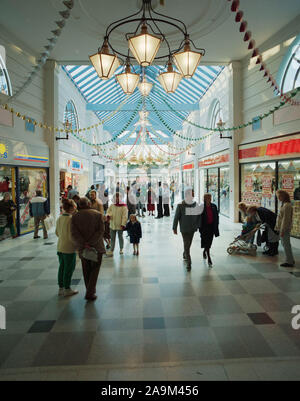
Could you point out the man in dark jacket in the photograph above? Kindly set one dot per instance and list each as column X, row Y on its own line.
column 188, row 215
column 39, row 210
column 87, row 230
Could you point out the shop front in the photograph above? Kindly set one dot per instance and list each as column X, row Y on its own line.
column 214, row 179
column 268, row 166
column 73, row 171
column 98, row 173
column 23, row 171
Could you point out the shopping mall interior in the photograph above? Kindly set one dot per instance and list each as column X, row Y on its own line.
column 156, row 101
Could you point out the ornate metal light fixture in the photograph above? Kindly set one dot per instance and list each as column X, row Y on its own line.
column 145, row 46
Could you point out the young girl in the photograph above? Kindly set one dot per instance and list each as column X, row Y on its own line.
column 66, row 250
column 135, row 232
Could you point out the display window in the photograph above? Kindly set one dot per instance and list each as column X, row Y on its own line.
column 30, row 180
column 7, row 185
column 212, row 184
column 258, row 184
column 289, row 180
column 224, row 191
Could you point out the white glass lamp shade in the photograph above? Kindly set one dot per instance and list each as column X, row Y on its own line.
column 170, row 79
column 128, row 81
column 144, row 47
column 187, row 61
column 104, row 63
column 145, row 87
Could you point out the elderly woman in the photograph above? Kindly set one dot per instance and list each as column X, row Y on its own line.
column 87, row 229
column 243, row 209
column 7, row 208
column 284, row 226
column 267, row 217
column 209, row 226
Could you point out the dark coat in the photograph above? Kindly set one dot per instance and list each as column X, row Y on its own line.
column 134, row 231
column 87, row 228
column 5, row 208
column 215, row 219
column 267, row 216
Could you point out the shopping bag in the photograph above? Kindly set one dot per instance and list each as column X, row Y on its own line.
column 49, row 222
column 31, row 223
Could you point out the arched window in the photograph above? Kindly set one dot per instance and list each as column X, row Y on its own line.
column 216, row 114
column 5, row 86
column 289, row 71
column 70, row 116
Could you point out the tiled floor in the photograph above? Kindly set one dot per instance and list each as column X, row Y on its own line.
column 152, row 317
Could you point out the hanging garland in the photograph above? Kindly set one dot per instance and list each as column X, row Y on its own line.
column 48, row 48
column 239, row 18
column 123, row 157
column 260, row 117
column 162, row 150
column 75, row 132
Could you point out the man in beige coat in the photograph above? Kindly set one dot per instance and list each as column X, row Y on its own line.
column 117, row 215
column 87, row 230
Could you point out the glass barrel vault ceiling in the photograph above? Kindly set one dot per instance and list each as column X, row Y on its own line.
column 97, row 91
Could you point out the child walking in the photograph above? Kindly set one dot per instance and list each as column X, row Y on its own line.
column 134, row 230
column 66, row 250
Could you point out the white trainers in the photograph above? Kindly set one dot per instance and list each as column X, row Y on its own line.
column 121, row 252
column 61, row 292
column 69, row 292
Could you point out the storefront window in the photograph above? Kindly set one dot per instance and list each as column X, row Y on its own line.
column 224, row 191
column 213, row 184
column 5, row 86
column 289, row 180
column 258, row 184
column 7, row 184
column 30, row 180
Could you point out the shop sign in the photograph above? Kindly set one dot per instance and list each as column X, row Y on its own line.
column 189, row 166
column 272, row 149
column 3, row 151
column 223, row 158
column 74, row 165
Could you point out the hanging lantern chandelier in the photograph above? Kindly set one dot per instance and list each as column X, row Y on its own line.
column 128, row 80
column 145, row 86
column 145, row 48
column 170, row 79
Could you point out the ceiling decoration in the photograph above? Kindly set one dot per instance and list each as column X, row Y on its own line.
column 97, row 92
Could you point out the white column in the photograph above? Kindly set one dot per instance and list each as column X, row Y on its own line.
column 236, row 115
column 51, row 117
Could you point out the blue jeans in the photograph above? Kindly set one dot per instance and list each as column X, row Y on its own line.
column 113, row 239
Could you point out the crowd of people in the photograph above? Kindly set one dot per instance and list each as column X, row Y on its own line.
column 90, row 225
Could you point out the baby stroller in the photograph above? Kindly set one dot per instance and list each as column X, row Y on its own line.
column 243, row 242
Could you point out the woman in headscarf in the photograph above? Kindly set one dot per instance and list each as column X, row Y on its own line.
column 209, row 226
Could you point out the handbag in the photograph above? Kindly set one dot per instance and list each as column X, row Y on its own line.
column 90, row 253
column 49, row 222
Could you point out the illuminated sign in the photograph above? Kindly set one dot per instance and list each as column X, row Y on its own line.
column 3, row 151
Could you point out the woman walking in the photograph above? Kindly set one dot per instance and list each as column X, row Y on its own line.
column 87, row 230
column 7, row 208
column 117, row 215
column 284, row 226
column 209, row 226
column 66, row 250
